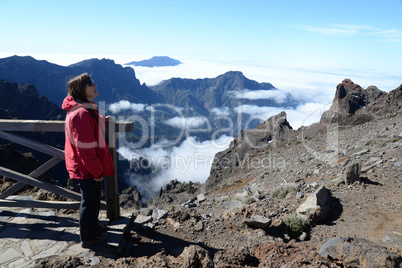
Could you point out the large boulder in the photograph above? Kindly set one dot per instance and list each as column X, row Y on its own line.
column 358, row 252
column 316, row 206
column 352, row 173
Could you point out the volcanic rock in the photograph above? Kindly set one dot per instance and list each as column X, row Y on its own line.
column 351, row 99
column 274, row 130
column 358, row 252
column 352, row 173
column 316, row 206
column 258, row 221
column 131, row 198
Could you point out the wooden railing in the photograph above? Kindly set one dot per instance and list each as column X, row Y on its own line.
column 112, row 205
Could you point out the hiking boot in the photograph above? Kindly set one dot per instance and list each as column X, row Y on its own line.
column 97, row 240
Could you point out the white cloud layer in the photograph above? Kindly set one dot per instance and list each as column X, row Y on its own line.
column 186, row 122
column 278, row 95
column 189, row 161
column 306, row 83
column 225, row 111
column 353, row 30
column 303, row 115
column 126, row 105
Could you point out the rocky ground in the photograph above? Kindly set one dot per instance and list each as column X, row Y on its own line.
column 367, row 213
column 324, row 196
column 240, row 223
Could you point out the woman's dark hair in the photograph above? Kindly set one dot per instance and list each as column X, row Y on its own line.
column 77, row 85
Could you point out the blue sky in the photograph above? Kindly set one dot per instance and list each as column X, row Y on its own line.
column 305, row 47
column 302, row 47
column 354, row 34
column 361, row 40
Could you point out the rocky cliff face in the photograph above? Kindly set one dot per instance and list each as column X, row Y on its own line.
column 351, row 99
column 273, row 131
column 23, row 101
column 351, row 105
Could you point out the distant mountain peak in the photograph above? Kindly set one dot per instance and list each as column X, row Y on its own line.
column 156, row 61
column 89, row 62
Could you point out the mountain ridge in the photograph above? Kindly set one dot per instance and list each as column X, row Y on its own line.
column 215, row 92
column 197, row 97
column 114, row 81
column 156, row 61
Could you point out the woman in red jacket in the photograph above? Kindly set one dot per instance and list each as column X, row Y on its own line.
column 87, row 154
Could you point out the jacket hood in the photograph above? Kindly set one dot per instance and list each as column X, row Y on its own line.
column 69, row 103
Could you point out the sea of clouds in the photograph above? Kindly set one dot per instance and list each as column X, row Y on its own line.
column 191, row 159
column 313, row 86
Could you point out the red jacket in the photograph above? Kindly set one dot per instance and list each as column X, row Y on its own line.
column 86, row 152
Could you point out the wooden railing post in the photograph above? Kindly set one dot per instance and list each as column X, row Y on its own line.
column 111, row 186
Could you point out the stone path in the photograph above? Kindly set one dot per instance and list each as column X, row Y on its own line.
column 30, row 234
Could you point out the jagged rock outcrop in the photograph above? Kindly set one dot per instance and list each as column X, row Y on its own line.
column 274, row 130
column 394, row 102
column 130, row 198
column 23, row 101
column 353, row 105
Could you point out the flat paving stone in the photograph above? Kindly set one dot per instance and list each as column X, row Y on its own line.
column 9, row 255
column 26, row 248
column 43, row 244
column 27, row 235
column 18, row 263
column 54, row 250
column 78, row 248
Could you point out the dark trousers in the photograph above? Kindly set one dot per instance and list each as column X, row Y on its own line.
column 89, row 208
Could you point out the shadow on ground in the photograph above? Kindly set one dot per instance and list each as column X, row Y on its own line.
column 23, row 225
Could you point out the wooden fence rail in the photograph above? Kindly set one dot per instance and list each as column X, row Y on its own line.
column 112, row 205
